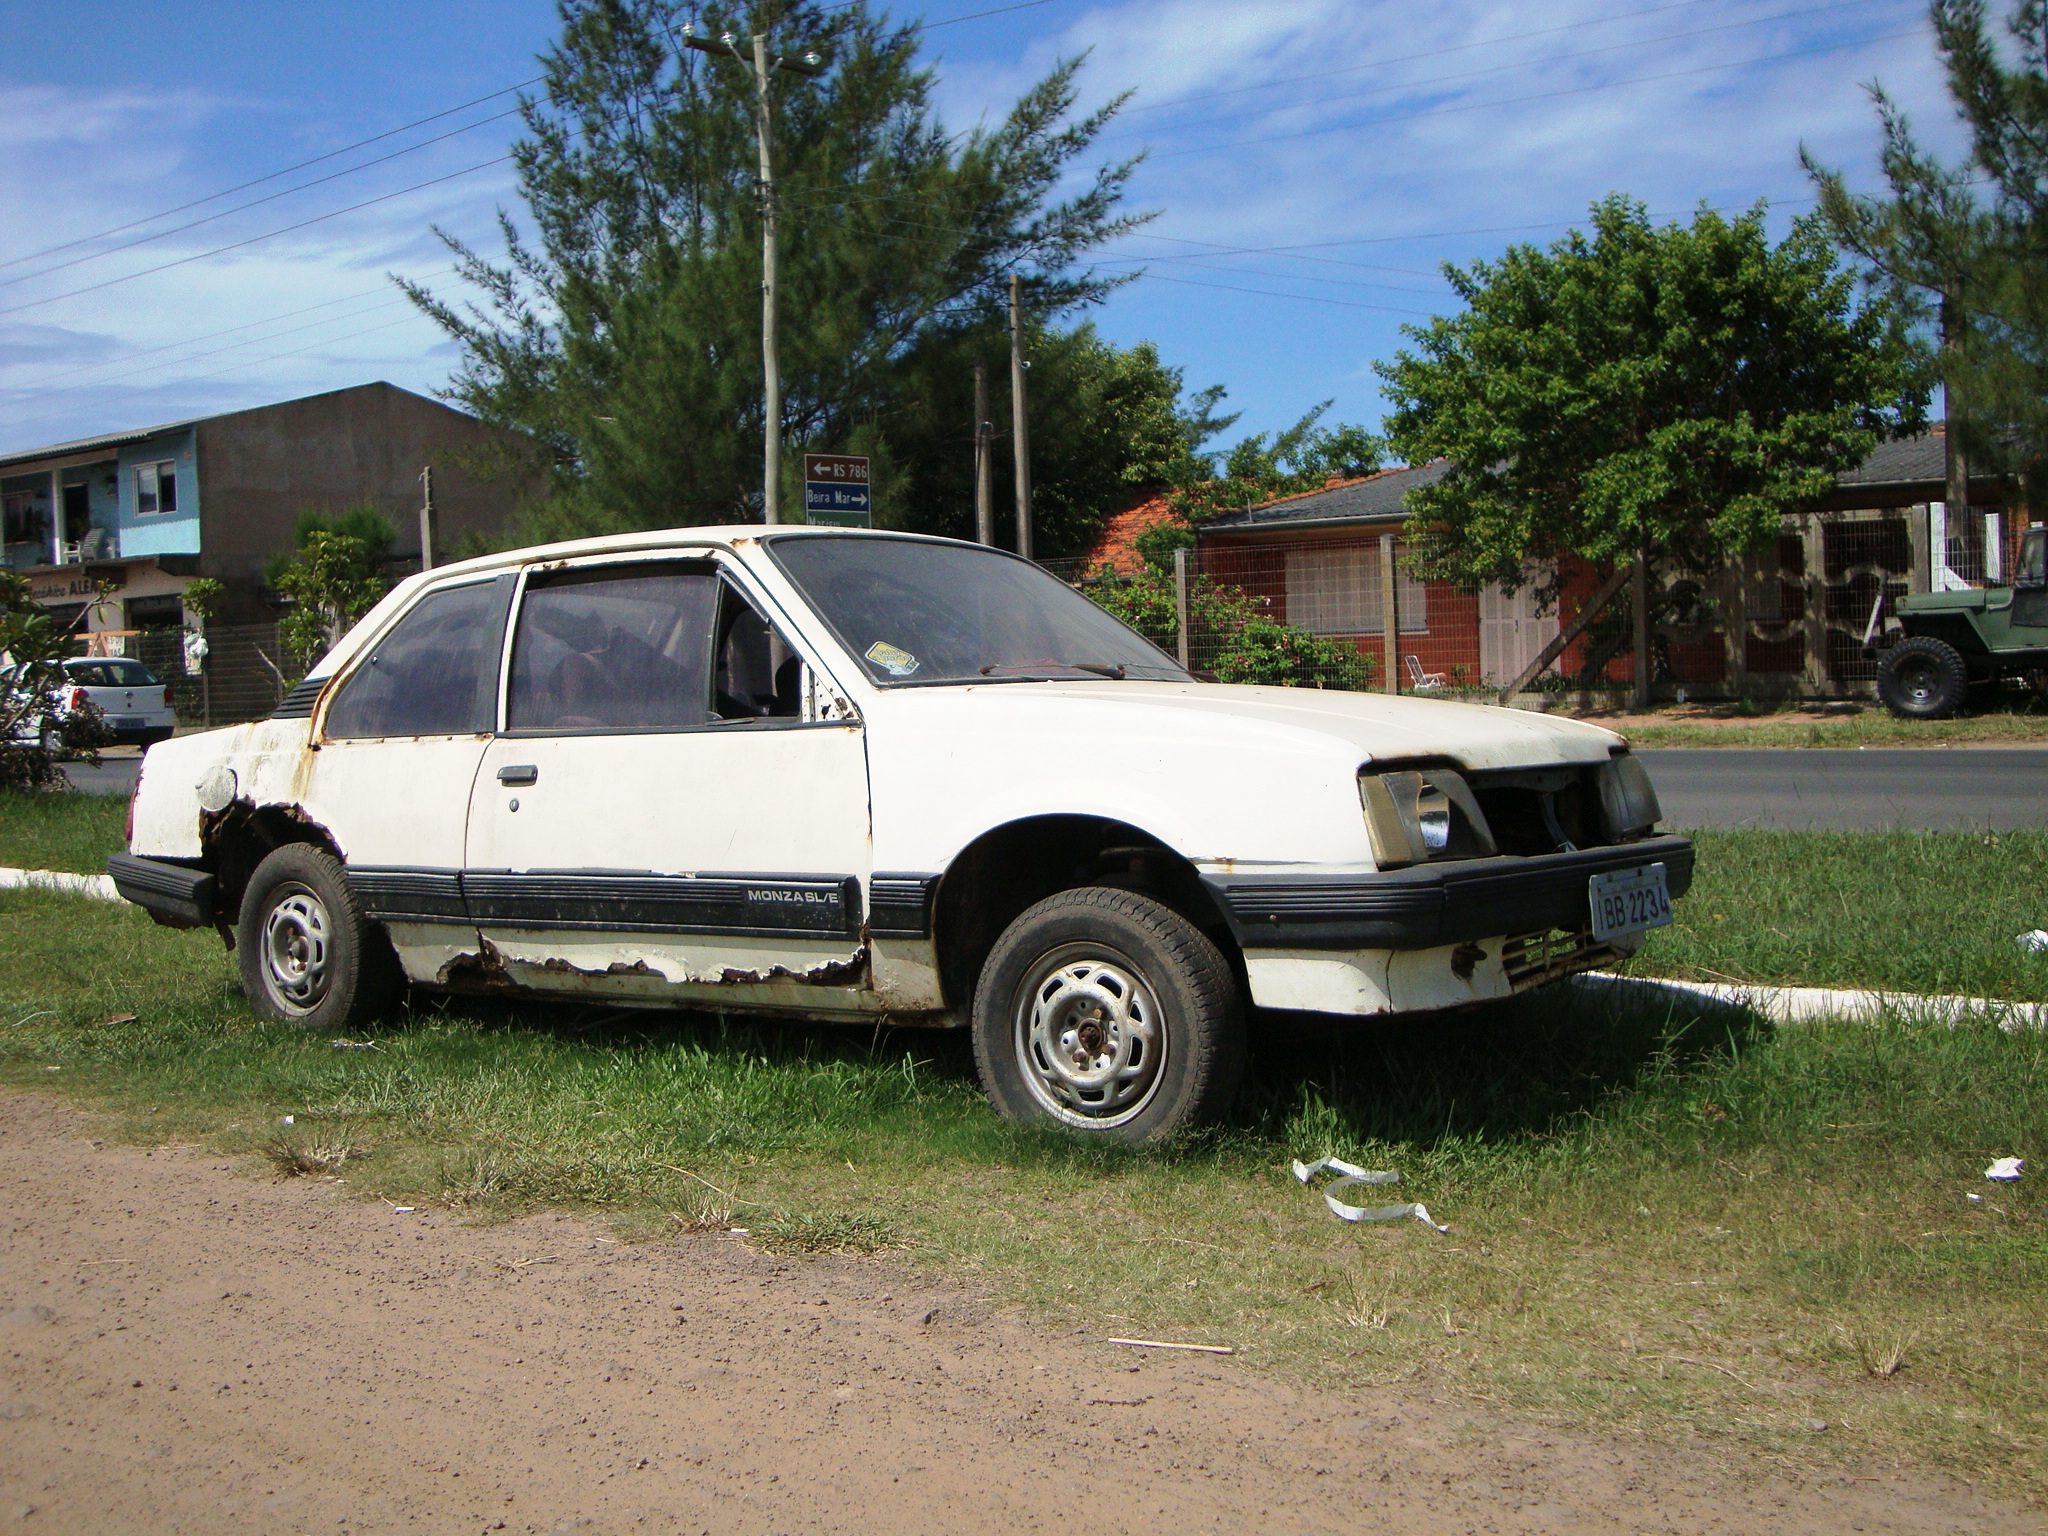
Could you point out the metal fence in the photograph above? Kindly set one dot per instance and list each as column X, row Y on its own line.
column 1798, row 619
column 1348, row 612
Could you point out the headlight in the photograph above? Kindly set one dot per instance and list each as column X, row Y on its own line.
column 1421, row 814
column 1627, row 797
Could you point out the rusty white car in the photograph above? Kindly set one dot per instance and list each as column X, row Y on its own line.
column 839, row 774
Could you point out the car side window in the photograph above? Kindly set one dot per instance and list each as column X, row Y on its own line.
column 433, row 673
column 755, row 673
column 617, row 648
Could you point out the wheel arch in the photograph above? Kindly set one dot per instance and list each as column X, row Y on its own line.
column 235, row 840
column 1011, row 867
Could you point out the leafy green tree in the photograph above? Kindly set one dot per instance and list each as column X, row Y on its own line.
column 333, row 577
column 623, row 335
column 1670, row 392
column 1303, row 457
column 1964, row 248
column 1110, row 425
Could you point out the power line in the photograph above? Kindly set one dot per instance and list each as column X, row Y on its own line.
column 1379, row 63
column 1308, row 298
column 199, row 202
column 256, row 239
column 254, row 202
column 1353, row 125
column 124, row 358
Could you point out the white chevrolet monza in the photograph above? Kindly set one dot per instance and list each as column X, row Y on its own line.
column 836, row 774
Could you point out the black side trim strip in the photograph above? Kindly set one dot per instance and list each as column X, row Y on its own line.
column 409, row 895
column 1433, row 904
column 176, row 895
column 767, row 906
column 900, row 906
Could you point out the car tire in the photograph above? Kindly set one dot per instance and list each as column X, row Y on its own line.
column 1922, row 678
column 1107, row 1013
column 308, row 957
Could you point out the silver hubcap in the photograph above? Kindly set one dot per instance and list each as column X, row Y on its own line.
column 1091, row 1037
column 295, row 948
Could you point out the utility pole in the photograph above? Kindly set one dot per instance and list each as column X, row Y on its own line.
column 427, row 518
column 984, row 469
column 811, row 66
column 1020, row 430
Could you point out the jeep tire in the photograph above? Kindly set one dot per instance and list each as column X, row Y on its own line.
column 1922, row 678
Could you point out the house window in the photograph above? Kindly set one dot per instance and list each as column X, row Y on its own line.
column 24, row 519
column 1336, row 591
column 156, row 488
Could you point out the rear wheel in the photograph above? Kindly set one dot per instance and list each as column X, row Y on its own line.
column 1109, row 1013
column 307, row 955
column 1922, row 678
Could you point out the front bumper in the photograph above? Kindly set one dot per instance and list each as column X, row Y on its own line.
column 176, row 895
column 1431, row 905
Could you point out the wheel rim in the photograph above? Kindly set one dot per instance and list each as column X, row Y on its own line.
column 1920, row 680
column 295, row 948
column 1090, row 1036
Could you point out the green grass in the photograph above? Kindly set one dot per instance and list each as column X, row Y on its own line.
column 1936, row 912
column 62, row 830
column 2016, row 722
column 1668, row 1220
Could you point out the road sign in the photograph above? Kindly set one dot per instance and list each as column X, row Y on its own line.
column 836, row 490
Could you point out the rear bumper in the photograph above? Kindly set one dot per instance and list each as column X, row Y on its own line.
column 176, row 895
column 1431, row 905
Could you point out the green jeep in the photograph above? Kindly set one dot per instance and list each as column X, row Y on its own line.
column 1955, row 641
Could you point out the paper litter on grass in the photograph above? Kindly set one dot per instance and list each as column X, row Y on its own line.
column 2006, row 1169
column 1350, row 1174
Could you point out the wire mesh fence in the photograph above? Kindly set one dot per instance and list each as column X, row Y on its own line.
column 1349, row 610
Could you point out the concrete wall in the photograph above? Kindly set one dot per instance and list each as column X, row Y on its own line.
column 263, row 468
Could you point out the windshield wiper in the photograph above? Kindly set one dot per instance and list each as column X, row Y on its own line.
column 1031, row 670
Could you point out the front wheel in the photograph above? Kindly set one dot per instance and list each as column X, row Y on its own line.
column 307, row 955
column 1922, row 678
column 1109, row 1013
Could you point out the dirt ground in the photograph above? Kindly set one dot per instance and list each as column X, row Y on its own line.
column 190, row 1346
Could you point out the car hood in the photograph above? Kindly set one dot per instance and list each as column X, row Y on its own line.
column 1308, row 721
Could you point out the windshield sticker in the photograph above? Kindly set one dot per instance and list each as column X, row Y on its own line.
column 892, row 659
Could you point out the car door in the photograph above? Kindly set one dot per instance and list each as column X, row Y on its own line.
column 662, row 814
column 395, row 747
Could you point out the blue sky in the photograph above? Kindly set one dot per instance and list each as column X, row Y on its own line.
column 1311, row 164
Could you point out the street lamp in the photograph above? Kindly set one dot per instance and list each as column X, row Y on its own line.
column 810, row 65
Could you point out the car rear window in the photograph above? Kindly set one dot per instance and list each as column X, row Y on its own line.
column 112, row 672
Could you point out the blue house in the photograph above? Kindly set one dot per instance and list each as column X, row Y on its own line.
column 143, row 512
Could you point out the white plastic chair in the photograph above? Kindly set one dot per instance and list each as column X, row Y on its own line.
column 1421, row 681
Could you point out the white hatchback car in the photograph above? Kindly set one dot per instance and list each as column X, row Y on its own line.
column 838, row 774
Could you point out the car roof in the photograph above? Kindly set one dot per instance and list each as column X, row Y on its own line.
column 722, row 535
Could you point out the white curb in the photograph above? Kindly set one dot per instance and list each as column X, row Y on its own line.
column 99, row 887
column 1799, row 1005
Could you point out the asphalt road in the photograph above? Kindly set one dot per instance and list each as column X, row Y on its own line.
column 1869, row 789
column 1922, row 789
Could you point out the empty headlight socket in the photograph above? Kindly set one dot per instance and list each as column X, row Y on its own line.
column 1415, row 812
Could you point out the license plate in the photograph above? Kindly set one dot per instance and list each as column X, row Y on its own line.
column 1629, row 901
column 125, row 722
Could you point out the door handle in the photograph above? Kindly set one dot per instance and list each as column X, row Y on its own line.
column 519, row 773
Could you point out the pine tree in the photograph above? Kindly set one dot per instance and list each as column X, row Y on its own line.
column 622, row 333
column 1965, row 247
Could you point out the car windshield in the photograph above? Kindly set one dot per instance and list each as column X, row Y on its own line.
column 921, row 612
